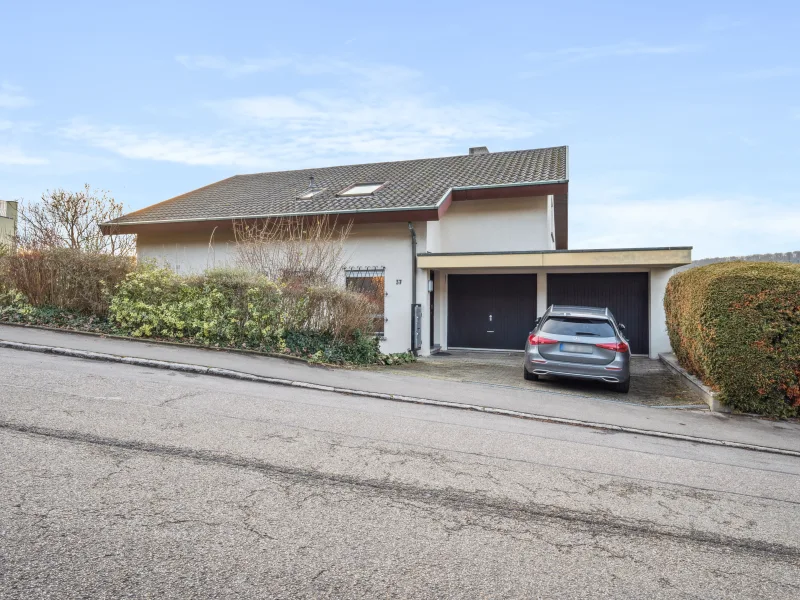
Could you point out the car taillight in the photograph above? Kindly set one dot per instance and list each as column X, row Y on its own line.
column 537, row 340
column 616, row 346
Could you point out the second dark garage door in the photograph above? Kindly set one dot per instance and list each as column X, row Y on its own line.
column 625, row 294
column 490, row 311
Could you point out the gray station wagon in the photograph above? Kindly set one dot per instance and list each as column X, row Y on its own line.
column 579, row 342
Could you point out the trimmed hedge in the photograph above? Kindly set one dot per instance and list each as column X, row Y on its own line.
column 237, row 309
column 222, row 308
column 736, row 326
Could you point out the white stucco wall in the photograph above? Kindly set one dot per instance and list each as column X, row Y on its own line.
column 495, row 225
column 386, row 245
column 469, row 226
column 186, row 253
column 659, row 340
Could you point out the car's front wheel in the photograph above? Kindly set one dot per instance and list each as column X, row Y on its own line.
column 529, row 376
column 622, row 386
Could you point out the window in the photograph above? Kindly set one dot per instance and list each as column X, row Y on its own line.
column 310, row 194
column 361, row 189
column 578, row 327
column 370, row 282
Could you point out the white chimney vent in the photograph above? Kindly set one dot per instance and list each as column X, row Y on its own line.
column 478, row 150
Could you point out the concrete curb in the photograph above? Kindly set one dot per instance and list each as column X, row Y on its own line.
column 231, row 374
column 709, row 396
column 159, row 342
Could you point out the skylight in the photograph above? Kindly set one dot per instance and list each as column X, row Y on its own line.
column 307, row 195
column 361, row 189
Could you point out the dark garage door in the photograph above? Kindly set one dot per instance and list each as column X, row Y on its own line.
column 490, row 311
column 625, row 295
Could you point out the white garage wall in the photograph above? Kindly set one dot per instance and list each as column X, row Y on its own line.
column 511, row 224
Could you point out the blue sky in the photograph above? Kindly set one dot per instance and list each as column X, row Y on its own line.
column 683, row 119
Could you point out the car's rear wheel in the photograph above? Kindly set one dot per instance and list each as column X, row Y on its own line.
column 622, row 386
column 528, row 375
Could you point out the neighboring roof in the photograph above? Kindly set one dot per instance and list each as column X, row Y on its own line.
column 410, row 184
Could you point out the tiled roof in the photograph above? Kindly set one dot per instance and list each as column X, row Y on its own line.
column 414, row 184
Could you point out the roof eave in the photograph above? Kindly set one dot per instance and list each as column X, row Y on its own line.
column 116, row 226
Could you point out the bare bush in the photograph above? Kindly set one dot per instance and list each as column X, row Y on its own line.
column 65, row 278
column 302, row 250
column 337, row 312
column 64, row 219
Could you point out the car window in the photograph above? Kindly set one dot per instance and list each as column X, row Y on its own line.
column 577, row 326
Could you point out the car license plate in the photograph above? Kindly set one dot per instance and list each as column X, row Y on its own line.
column 576, row 348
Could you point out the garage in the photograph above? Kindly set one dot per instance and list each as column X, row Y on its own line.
column 490, row 311
column 625, row 294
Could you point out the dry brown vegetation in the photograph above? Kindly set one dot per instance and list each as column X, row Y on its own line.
column 306, row 250
column 65, row 278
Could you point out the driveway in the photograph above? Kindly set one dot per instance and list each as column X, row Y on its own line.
column 652, row 383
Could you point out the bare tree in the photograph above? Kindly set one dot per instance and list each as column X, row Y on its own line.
column 303, row 249
column 64, row 219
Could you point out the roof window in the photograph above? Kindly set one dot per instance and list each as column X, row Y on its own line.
column 307, row 195
column 361, row 189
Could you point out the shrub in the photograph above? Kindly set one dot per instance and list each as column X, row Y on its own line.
column 66, row 279
column 736, row 325
column 240, row 309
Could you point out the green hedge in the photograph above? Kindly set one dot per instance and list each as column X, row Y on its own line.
column 221, row 308
column 736, row 325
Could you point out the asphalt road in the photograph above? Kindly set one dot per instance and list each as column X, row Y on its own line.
column 119, row 481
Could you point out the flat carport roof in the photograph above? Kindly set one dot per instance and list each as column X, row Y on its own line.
column 669, row 257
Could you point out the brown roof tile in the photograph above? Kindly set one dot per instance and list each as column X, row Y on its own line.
column 416, row 184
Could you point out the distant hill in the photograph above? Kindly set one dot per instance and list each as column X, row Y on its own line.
column 788, row 257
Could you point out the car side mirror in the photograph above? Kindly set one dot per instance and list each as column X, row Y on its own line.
column 622, row 327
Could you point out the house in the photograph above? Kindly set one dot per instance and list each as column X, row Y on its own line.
column 8, row 222
column 478, row 242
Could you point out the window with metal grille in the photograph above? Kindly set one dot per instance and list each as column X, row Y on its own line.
column 371, row 282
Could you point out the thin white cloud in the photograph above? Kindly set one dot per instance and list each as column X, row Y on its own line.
column 329, row 115
column 12, row 97
column 17, row 127
column 307, row 66
column 197, row 151
column 769, row 73
column 365, row 113
column 230, row 67
column 713, row 225
column 270, row 132
column 14, row 156
column 717, row 23
column 585, row 53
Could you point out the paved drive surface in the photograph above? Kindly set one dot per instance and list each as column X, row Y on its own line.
column 542, row 400
column 119, row 481
column 652, row 382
